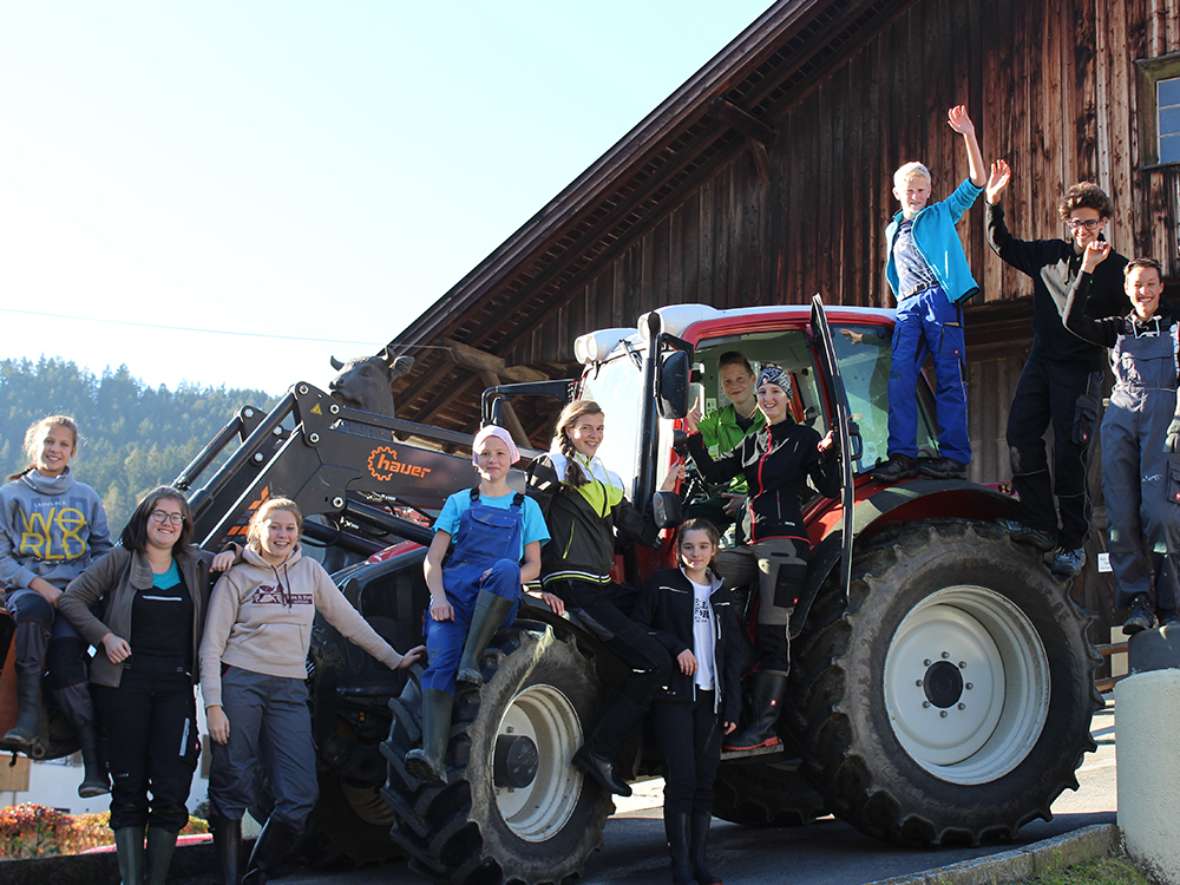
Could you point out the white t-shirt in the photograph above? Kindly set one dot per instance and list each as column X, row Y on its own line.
column 702, row 637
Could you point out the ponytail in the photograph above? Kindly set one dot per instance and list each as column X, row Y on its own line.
column 35, row 434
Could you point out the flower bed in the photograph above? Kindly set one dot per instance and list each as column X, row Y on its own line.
column 30, row 830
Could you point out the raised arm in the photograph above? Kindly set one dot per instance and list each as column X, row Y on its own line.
column 1026, row 256
column 1075, row 316
column 960, row 121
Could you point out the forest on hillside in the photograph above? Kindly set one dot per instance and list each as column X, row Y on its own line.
column 134, row 437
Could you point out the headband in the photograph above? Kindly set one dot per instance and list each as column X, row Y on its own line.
column 772, row 374
column 499, row 433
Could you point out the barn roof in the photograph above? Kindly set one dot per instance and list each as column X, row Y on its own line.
column 728, row 103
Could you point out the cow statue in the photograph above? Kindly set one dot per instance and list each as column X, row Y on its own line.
column 367, row 382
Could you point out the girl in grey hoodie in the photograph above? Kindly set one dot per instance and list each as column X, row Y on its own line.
column 51, row 528
column 254, row 682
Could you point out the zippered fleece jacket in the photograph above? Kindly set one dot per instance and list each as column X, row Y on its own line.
column 260, row 619
column 51, row 527
column 938, row 241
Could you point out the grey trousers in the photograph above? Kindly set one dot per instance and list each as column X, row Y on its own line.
column 761, row 561
column 269, row 726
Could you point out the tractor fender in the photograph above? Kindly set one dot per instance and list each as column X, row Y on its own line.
column 878, row 507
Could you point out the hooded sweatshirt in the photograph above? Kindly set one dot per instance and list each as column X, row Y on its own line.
column 51, row 527
column 260, row 619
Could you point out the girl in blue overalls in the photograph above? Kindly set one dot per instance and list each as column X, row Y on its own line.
column 1140, row 437
column 475, row 588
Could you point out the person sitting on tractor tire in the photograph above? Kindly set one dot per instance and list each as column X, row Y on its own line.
column 1140, row 436
column 723, row 429
column 155, row 590
column 777, row 462
column 258, row 631
column 585, row 506
column 51, row 528
column 697, row 619
column 475, row 586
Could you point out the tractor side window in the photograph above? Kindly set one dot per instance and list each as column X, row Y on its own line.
column 864, row 354
column 617, row 386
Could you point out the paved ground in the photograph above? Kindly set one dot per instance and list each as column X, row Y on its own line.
column 827, row 853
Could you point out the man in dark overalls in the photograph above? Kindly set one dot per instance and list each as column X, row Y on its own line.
column 1140, row 438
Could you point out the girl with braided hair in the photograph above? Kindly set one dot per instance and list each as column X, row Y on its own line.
column 777, row 462
column 586, row 509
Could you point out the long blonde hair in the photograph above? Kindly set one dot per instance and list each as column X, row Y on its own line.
column 574, row 475
column 262, row 514
column 35, row 435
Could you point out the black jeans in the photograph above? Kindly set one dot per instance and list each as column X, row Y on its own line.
column 689, row 734
column 1047, row 393
column 149, row 726
column 605, row 610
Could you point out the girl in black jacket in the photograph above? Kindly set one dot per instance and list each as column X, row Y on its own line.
column 777, row 462
column 696, row 619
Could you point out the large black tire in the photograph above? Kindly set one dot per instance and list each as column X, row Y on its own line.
column 757, row 794
column 854, row 722
column 459, row 832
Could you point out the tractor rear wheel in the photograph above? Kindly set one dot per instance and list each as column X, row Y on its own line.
column 949, row 697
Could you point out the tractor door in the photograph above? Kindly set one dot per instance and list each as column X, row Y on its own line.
column 829, row 368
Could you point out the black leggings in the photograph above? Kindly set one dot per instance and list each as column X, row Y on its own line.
column 605, row 610
column 689, row 734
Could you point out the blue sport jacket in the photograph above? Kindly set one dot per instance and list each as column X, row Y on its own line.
column 936, row 239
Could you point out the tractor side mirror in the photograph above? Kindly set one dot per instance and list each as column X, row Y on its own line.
column 666, row 510
column 672, row 385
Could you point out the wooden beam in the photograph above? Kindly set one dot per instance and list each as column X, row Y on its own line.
column 482, row 361
column 742, row 120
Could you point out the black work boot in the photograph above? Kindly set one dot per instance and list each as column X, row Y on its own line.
column 161, row 844
column 31, row 644
column 429, row 763
column 1140, row 616
column 770, row 687
column 75, row 702
column 227, row 840
column 1023, row 533
column 942, row 468
column 698, row 853
column 602, row 770
column 275, row 842
column 490, row 612
column 676, row 828
column 898, row 467
column 129, row 847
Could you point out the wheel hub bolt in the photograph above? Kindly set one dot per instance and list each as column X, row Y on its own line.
column 925, row 704
column 942, row 714
column 962, row 665
column 945, row 655
column 970, row 685
column 926, row 663
column 918, row 682
column 962, row 706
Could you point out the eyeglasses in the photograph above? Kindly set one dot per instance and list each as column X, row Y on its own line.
column 1088, row 223
column 163, row 516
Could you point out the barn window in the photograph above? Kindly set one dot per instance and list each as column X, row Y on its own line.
column 1159, row 110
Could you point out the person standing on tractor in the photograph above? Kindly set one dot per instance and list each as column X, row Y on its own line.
column 254, row 683
column 475, row 586
column 1140, row 436
column 1060, row 367
column 698, row 622
column 51, row 528
column 154, row 589
column 928, row 273
column 776, row 462
column 585, row 506
column 724, row 428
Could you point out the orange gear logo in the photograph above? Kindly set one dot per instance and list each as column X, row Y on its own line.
column 384, row 465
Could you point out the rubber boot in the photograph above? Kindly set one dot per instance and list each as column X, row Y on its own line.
column 31, row 643
column 429, row 762
column 676, row 828
column 129, row 847
column 161, row 844
column 75, row 702
column 770, row 687
column 227, row 840
column 490, row 612
column 699, row 850
column 274, row 843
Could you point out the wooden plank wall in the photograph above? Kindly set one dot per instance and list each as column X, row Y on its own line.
column 1051, row 85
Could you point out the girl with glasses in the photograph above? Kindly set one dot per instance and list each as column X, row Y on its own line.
column 153, row 592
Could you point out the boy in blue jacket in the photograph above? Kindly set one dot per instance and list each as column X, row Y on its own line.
column 928, row 273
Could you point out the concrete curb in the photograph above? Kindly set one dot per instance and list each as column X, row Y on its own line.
column 1046, row 856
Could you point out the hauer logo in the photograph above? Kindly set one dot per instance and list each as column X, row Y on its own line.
column 384, row 465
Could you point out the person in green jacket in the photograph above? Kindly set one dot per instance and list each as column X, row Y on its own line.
column 722, row 430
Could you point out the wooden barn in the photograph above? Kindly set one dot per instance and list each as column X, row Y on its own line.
column 767, row 176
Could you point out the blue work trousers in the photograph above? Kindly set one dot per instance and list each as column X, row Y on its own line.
column 927, row 324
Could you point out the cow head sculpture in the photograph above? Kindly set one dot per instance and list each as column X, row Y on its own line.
column 367, row 382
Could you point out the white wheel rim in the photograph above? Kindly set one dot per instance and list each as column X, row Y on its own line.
column 538, row 811
column 967, row 684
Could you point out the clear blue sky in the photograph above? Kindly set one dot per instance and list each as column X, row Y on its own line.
column 314, row 169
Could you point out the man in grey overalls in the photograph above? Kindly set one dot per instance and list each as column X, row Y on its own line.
column 1140, row 438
